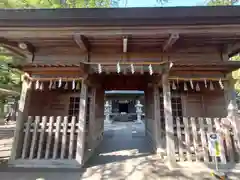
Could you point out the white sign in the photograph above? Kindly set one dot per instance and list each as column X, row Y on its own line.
column 214, row 144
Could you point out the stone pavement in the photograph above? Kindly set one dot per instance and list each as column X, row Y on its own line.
column 6, row 138
column 125, row 154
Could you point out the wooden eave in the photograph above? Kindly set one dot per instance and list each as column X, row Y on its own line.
column 59, row 31
column 119, row 16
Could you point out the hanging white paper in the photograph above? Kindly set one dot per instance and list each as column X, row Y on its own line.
column 37, row 85
column 99, row 68
column 50, row 85
column 185, row 86
column 118, row 68
column 197, row 87
column 150, row 69
column 41, row 86
column 59, row 83
column 174, row 86
column 211, row 86
column 191, row 84
column 205, row 83
column 66, row 85
column 132, row 69
column 54, row 85
column 221, row 84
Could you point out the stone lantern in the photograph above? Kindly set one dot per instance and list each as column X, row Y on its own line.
column 139, row 110
column 107, row 111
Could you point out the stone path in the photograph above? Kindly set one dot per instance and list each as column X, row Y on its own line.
column 125, row 154
column 6, row 138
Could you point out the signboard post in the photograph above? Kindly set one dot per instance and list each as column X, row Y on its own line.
column 215, row 150
column 214, row 146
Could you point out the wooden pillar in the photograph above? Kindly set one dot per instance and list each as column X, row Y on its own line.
column 82, row 124
column 21, row 119
column 170, row 147
column 92, row 122
column 157, row 119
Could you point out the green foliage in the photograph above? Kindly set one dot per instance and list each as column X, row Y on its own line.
column 222, row 2
column 9, row 78
column 58, row 3
column 236, row 74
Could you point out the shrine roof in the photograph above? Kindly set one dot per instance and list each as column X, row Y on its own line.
column 120, row 16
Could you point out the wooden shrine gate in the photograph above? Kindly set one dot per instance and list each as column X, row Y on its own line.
column 182, row 61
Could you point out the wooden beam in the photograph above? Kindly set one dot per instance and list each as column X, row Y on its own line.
column 125, row 43
column 52, row 32
column 13, row 47
column 171, row 40
column 82, row 42
column 233, row 49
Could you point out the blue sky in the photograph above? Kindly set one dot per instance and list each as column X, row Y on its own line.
column 153, row 3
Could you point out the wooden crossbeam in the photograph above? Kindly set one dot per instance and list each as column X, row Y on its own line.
column 82, row 42
column 171, row 40
column 196, row 78
column 13, row 47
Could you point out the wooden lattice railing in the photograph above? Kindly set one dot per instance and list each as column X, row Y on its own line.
column 50, row 138
column 191, row 143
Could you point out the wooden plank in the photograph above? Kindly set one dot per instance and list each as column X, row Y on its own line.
column 43, row 129
column 195, row 137
column 72, row 133
column 229, row 150
column 168, row 121
column 34, row 137
column 180, row 142
column 49, row 137
column 26, row 137
column 42, row 132
column 210, row 129
column 21, row 118
column 203, row 140
column 187, row 138
column 56, row 139
column 82, row 124
column 219, row 131
column 64, row 137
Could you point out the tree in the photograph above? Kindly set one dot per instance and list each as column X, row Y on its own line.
column 222, row 2
column 236, row 74
column 10, row 78
column 58, row 3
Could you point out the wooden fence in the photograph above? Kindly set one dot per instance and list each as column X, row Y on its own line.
column 191, row 143
column 50, row 138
